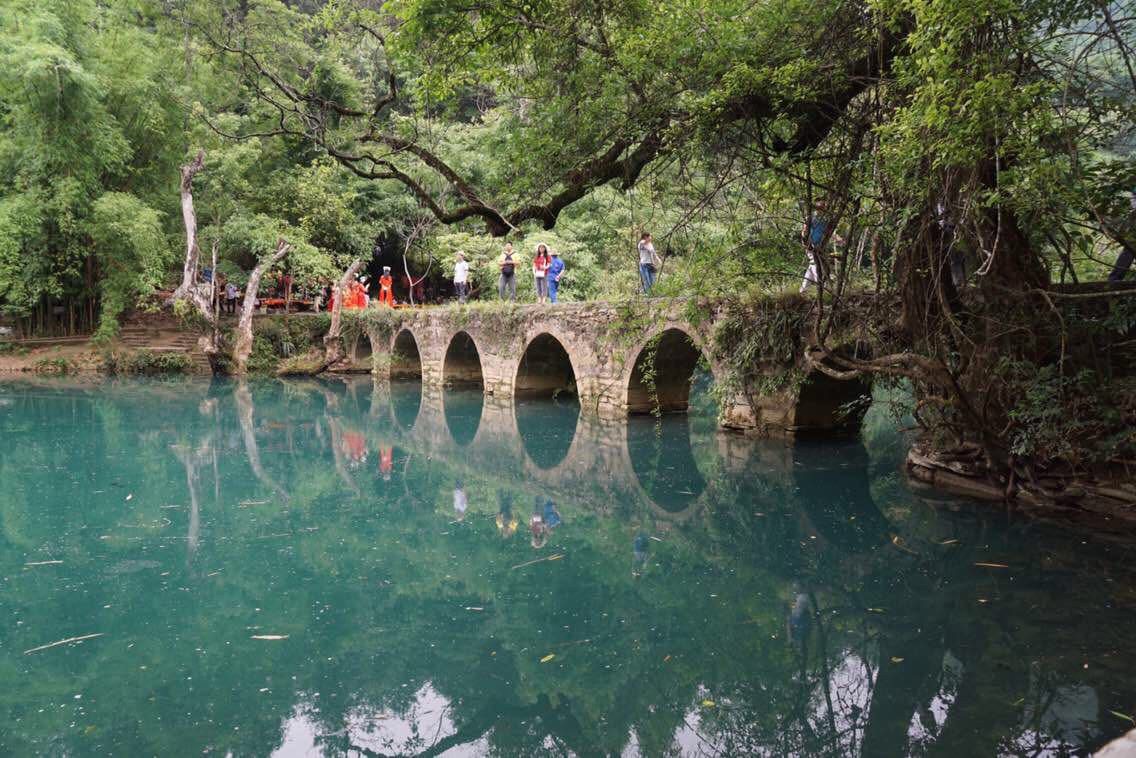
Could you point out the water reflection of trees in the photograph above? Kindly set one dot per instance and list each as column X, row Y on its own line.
column 898, row 657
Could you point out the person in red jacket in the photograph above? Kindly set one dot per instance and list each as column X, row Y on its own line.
column 386, row 288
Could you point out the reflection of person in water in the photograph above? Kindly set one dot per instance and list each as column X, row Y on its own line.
column 355, row 447
column 460, row 501
column 537, row 526
column 800, row 618
column 386, row 461
column 506, row 520
column 551, row 516
column 639, row 554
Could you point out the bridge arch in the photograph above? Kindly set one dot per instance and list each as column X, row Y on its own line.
column 826, row 403
column 663, row 370
column 462, row 364
column 545, row 369
column 405, row 357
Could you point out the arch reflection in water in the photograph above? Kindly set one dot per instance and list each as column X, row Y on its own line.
column 406, row 361
column 406, row 401
column 834, row 488
column 663, row 461
column 462, row 408
column 547, row 429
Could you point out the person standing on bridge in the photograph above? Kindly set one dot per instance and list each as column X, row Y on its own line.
column 541, row 264
column 507, row 282
column 815, row 236
column 386, row 288
column 461, row 278
column 648, row 263
column 555, row 272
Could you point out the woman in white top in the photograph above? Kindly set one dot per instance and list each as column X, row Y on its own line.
column 461, row 278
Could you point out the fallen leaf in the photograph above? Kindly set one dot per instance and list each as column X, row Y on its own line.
column 895, row 659
column 130, row 497
column 708, row 704
column 473, row 608
column 666, row 659
column 269, row 637
column 993, row 565
column 548, row 658
column 1124, row 716
column 949, row 542
column 556, row 557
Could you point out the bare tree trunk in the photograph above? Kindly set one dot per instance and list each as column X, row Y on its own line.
column 333, row 342
column 243, row 348
column 202, row 297
column 189, row 216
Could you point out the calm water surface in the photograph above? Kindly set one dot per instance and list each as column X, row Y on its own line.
column 349, row 568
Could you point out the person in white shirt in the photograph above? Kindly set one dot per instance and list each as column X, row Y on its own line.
column 461, row 278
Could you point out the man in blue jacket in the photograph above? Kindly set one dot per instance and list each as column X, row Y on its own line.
column 555, row 271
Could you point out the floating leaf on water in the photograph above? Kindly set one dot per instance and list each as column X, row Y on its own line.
column 556, row 557
column 667, row 658
column 269, row 637
column 1124, row 716
column 43, row 563
column 548, row 658
column 130, row 497
column 896, row 659
column 876, row 610
column 473, row 608
column 949, row 542
column 993, row 565
column 708, row 703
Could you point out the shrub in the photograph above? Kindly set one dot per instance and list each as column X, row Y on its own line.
column 147, row 362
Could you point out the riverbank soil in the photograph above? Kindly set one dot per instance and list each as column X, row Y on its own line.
column 50, row 358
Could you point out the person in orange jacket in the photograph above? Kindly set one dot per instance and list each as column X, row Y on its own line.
column 386, row 461
column 386, row 284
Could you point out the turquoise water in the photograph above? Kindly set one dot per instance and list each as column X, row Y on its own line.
column 345, row 568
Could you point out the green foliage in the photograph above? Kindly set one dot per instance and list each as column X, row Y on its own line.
column 1077, row 419
column 146, row 362
column 53, row 366
column 132, row 252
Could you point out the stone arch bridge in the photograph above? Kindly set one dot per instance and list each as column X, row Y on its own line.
column 618, row 359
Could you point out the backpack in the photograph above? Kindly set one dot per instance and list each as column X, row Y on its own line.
column 509, row 267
